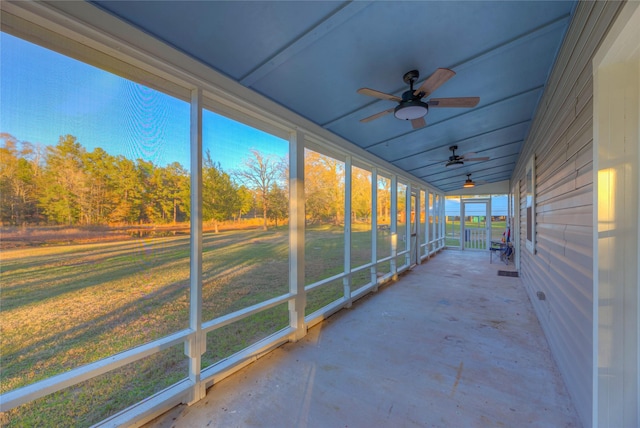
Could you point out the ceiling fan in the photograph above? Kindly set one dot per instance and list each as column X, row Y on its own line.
column 460, row 160
column 469, row 182
column 410, row 106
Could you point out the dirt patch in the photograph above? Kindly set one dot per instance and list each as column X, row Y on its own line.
column 17, row 237
column 34, row 236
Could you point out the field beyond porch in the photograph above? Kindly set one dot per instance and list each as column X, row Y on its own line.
column 91, row 293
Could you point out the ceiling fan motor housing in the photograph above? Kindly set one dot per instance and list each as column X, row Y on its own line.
column 454, row 159
column 453, row 162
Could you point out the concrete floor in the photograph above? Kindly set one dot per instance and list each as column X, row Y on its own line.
column 451, row 344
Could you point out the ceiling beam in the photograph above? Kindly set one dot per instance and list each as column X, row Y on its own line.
column 335, row 20
column 556, row 24
column 465, row 140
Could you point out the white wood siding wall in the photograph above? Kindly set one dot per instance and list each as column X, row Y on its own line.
column 561, row 138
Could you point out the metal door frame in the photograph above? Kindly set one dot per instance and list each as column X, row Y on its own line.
column 487, row 202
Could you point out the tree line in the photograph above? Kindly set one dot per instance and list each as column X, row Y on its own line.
column 65, row 184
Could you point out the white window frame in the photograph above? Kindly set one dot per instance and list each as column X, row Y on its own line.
column 530, row 205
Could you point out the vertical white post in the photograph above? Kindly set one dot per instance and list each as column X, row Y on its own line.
column 434, row 228
column 427, row 237
column 418, row 231
column 515, row 231
column 407, row 224
column 425, row 231
column 442, row 220
column 436, row 221
column 489, row 227
column 374, row 227
column 196, row 344
column 510, row 209
column 463, row 226
column 346, row 281
column 296, row 236
column 393, row 223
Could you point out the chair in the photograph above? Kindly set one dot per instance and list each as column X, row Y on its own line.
column 496, row 247
column 504, row 248
column 507, row 254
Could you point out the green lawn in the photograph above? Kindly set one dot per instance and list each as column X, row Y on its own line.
column 68, row 305
column 452, row 231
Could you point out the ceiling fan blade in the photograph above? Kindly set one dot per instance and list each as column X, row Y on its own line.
column 454, row 102
column 378, row 94
column 433, row 82
column 377, row 115
column 418, row 123
column 486, row 158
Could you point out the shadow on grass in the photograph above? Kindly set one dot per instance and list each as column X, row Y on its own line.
column 86, row 342
column 238, row 272
column 55, row 276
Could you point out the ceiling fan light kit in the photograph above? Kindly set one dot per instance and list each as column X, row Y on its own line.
column 468, row 182
column 412, row 109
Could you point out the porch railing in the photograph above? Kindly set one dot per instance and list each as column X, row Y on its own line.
column 475, row 239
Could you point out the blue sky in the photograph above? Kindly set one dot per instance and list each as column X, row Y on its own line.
column 44, row 95
column 498, row 207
